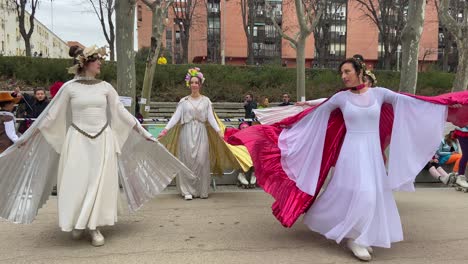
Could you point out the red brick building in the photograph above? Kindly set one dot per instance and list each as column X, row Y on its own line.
column 352, row 34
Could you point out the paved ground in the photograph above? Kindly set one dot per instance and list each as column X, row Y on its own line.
column 234, row 226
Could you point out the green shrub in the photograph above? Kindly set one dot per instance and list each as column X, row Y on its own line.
column 223, row 83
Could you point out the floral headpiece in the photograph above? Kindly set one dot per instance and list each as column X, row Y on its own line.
column 193, row 72
column 89, row 54
column 371, row 75
column 363, row 65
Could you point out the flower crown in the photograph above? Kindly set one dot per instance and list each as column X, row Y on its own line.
column 371, row 75
column 193, row 72
column 89, row 54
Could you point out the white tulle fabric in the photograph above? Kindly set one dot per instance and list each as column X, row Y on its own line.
column 29, row 168
column 358, row 202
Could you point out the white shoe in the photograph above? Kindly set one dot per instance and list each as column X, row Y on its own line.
column 461, row 181
column 242, row 179
column 444, row 179
column 97, row 239
column 253, row 180
column 359, row 252
column 77, row 234
column 188, row 197
column 370, row 250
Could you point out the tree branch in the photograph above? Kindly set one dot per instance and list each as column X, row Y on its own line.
column 291, row 40
column 449, row 22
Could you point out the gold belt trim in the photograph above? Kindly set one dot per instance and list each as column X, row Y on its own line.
column 88, row 135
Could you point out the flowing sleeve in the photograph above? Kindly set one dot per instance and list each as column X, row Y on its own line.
column 145, row 167
column 53, row 125
column 271, row 115
column 316, row 101
column 175, row 117
column 121, row 120
column 418, row 128
column 29, row 167
column 211, row 118
column 302, row 146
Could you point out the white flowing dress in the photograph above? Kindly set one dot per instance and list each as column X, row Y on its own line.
column 358, row 202
column 88, row 174
column 71, row 145
column 194, row 148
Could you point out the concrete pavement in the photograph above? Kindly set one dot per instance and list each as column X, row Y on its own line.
column 235, row 226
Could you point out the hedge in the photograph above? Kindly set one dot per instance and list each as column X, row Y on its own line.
column 223, row 83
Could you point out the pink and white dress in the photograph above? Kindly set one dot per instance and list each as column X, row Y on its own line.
column 349, row 131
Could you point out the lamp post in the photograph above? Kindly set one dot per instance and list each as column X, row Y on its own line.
column 398, row 57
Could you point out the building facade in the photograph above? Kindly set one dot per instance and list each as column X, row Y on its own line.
column 343, row 32
column 43, row 41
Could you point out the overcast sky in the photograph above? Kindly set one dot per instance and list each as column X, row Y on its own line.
column 73, row 20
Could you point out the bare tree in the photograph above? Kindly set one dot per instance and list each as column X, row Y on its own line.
column 389, row 16
column 448, row 43
column 410, row 38
column 184, row 17
column 456, row 22
column 21, row 7
column 159, row 9
column 449, row 46
column 322, row 33
column 308, row 13
column 104, row 9
column 248, row 15
column 126, row 74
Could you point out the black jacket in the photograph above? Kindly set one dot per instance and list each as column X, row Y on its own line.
column 285, row 104
column 248, row 109
column 33, row 108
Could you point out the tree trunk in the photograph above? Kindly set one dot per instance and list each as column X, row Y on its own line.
column 387, row 58
column 300, row 68
column 185, row 45
column 461, row 77
column 410, row 46
column 27, row 44
column 250, row 54
column 250, row 30
column 156, row 41
column 445, row 58
column 126, row 75
column 112, row 53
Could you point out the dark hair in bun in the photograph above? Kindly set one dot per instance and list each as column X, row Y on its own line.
column 75, row 51
column 357, row 65
column 358, row 57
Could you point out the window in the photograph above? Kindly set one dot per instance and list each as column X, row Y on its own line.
column 214, row 32
column 169, row 40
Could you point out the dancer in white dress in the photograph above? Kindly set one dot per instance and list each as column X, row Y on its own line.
column 97, row 140
column 349, row 131
column 192, row 113
column 358, row 203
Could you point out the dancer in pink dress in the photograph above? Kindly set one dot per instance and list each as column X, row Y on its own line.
column 350, row 131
